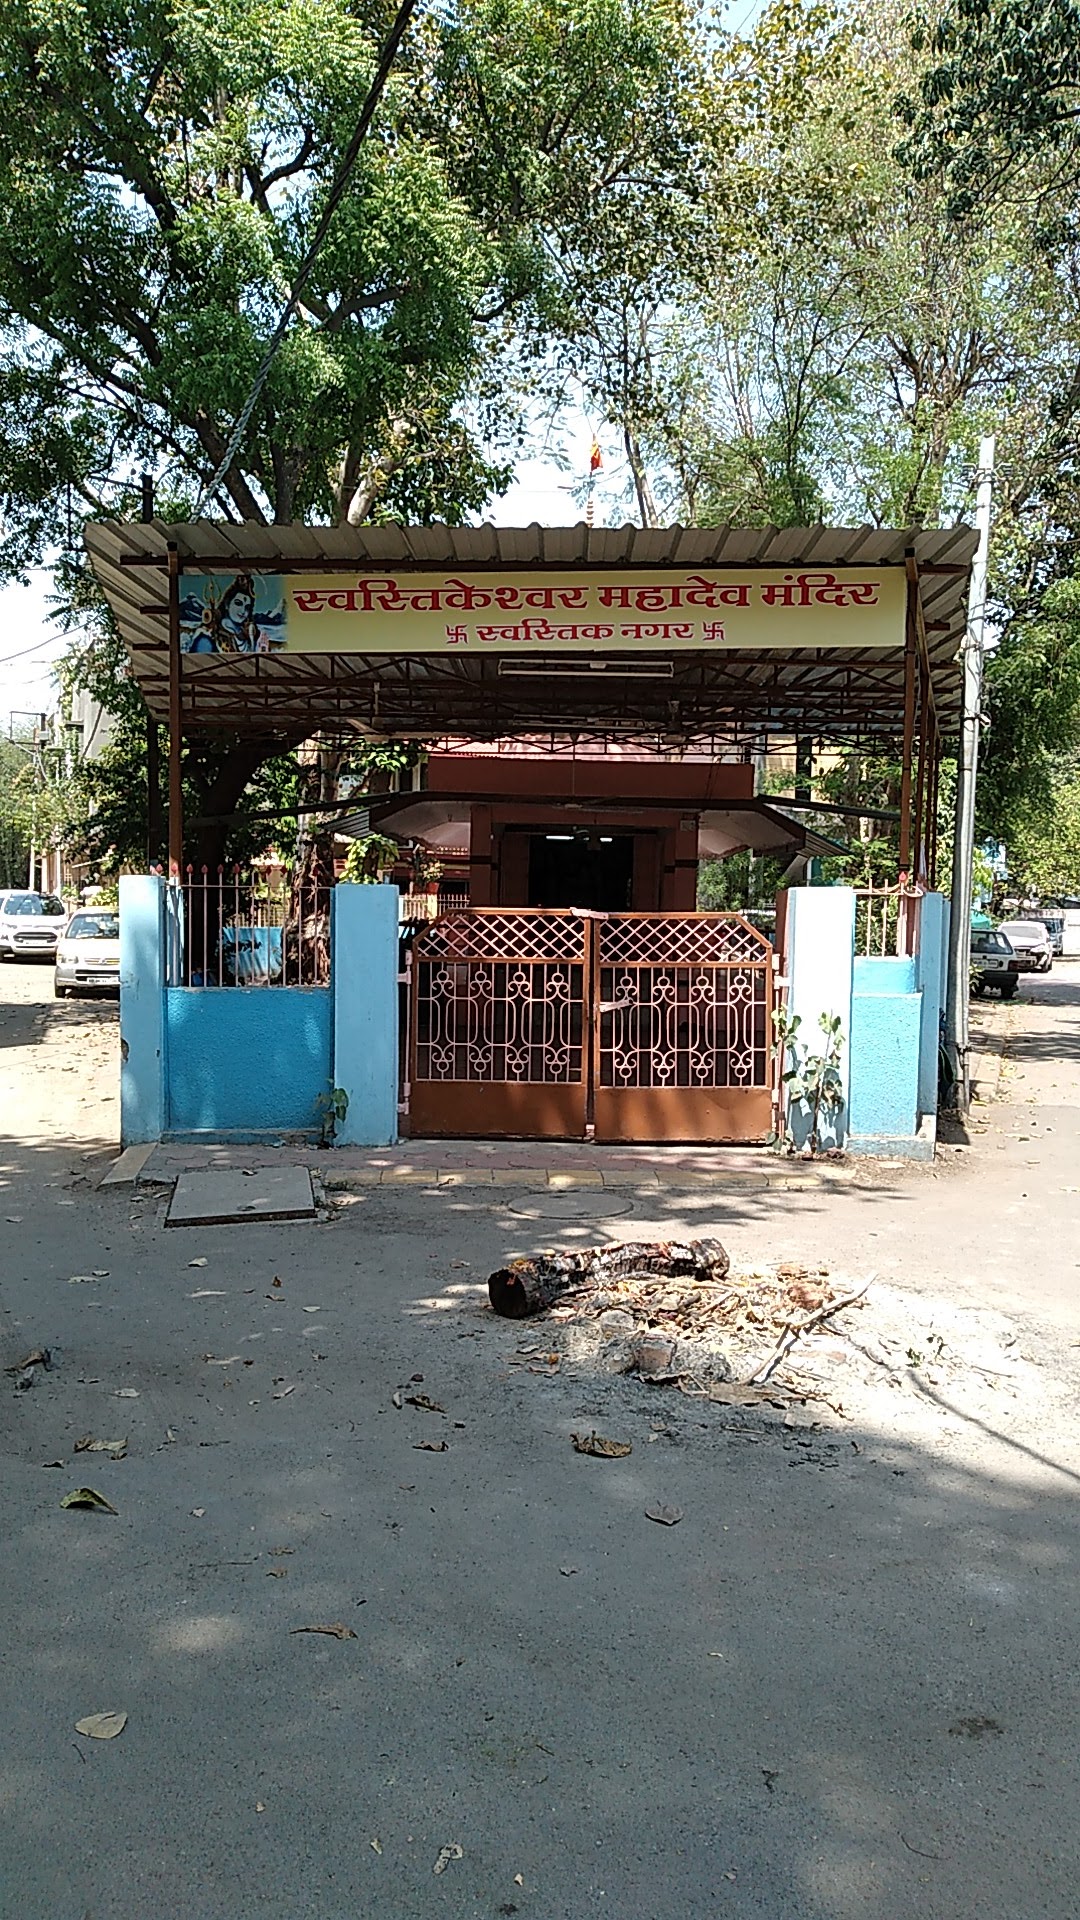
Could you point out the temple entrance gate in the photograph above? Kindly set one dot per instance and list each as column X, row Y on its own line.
column 563, row 1024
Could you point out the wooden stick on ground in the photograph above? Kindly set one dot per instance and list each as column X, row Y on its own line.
column 792, row 1333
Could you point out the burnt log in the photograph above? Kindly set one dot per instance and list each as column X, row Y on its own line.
column 530, row 1286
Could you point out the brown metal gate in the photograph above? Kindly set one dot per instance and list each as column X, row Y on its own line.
column 536, row 1024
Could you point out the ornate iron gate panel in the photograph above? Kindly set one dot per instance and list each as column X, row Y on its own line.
column 535, row 1024
column 684, row 1028
column 501, row 1030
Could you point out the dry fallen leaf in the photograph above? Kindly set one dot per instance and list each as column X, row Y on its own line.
column 81, row 1279
column 277, row 1573
column 231, row 1360
column 102, row 1726
column 375, row 1845
column 276, row 1552
column 600, row 1448
column 197, row 1512
column 430, row 1446
column 100, row 1273
column 53, row 1463
column 275, row 1282
column 126, row 1393
column 446, row 1854
column 260, row 1806
column 667, row 1516
column 201, row 1262
column 284, row 1394
column 519, row 1879
column 421, row 1400
column 117, row 1448
column 314, row 1309
column 38, row 1357
column 569, row 1570
column 336, row 1630
column 88, row 1497
column 397, row 1400
column 208, row 1293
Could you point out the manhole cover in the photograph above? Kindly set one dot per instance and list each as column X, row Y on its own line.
column 572, row 1206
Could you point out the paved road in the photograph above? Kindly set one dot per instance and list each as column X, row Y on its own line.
column 843, row 1688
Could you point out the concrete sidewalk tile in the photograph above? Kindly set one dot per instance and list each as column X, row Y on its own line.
column 624, row 1177
column 519, row 1176
column 465, row 1177
column 216, row 1195
column 127, row 1169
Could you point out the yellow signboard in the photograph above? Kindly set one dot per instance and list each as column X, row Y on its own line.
column 548, row 613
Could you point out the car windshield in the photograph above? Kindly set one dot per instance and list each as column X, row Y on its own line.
column 990, row 943
column 1026, row 930
column 94, row 926
column 34, row 903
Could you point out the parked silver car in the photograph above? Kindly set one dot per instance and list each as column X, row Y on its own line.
column 30, row 925
column 1031, row 943
column 88, row 952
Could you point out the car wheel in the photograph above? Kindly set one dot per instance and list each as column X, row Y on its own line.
column 1008, row 990
column 978, row 988
column 60, row 993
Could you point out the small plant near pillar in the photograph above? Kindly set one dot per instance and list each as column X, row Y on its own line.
column 813, row 1080
column 370, row 859
column 333, row 1107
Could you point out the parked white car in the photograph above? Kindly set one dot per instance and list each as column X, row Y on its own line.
column 30, row 924
column 1031, row 943
column 88, row 952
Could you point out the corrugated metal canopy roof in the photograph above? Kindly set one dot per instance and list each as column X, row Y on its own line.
column 724, row 698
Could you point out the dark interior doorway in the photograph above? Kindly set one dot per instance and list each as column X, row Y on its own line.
column 582, row 870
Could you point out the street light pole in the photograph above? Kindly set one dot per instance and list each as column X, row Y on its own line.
column 957, row 1030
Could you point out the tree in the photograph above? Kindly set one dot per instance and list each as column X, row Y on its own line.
column 1044, row 853
column 996, row 102
column 162, row 168
column 14, row 837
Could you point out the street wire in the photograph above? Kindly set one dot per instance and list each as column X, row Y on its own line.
column 303, row 273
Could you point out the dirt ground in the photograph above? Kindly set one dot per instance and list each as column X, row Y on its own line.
column 842, row 1686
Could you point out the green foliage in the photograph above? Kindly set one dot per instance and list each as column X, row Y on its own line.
column 1044, row 852
column 14, row 822
column 738, row 882
column 813, row 1082
column 370, row 858
column 1033, row 684
column 162, row 167
column 333, row 1107
column 997, row 100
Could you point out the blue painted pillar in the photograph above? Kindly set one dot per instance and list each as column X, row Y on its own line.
column 931, row 963
column 365, row 984
column 820, row 961
column 143, row 1064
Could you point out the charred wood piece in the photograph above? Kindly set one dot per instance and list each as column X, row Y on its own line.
column 530, row 1286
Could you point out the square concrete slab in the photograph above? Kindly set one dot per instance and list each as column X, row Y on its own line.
column 214, row 1198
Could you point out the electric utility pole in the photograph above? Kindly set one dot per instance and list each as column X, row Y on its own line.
column 957, row 1003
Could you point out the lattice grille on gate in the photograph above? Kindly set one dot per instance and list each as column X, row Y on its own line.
column 683, row 1003
column 500, row 998
column 478, row 935
column 680, row 939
